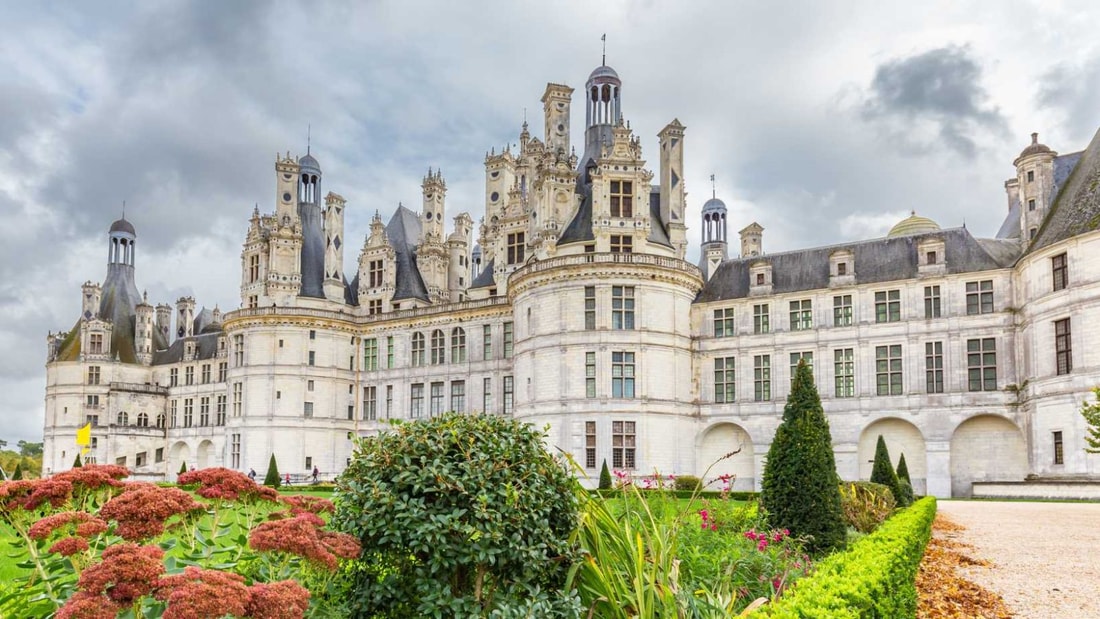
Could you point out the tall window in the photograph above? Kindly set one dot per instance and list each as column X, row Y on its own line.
column 622, row 199
column 486, row 342
column 143, row 419
column 458, row 396
column 723, row 322
column 622, row 244
column 516, row 247
column 589, row 308
column 933, row 367
column 438, row 347
column 622, row 307
column 234, row 451
column 1059, row 271
column 173, row 377
column 312, row 357
column 374, row 307
column 842, row 310
column 437, row 400
column 374, row 273
column 1063, row 349
column 223, row 371
column 888, row 306
column 509, row 393
column 189, row 375
column 417, row 349
column 888, row 369
column 238, row 350
column 761, row 321
column 416, row 401
column 979, row 297
column 160, row 420
column 981, row 364
column 370, row 403
column 307, row 409
column 762, row 377
column 188, row 412
column 623, row 444
column 808, row 356
column 220, row 410
column 204, row 411
column 589, row 374
column 206, row 373
column 725, row 380
column 238, row 397
column 123, row 418
column 931, row 301
column 622, row 374
column 1059, row 453
column 253, row 268
column 92, row 401
column 370, row 354
column 389, row 401
column 93, row 375
column 844, row 369
column 802, row 315
column 389, row 352
column 590, row 444
column 95, row 343
column 508, row 331
column 486, row 394
column 458, row 345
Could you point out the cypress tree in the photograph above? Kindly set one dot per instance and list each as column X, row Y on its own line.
column 183, row 467
column 272, row 477
column 800, row 488
column 903, row 470
column 77, row 462
column 18, row 472
column 605, row 477
column 883, row 471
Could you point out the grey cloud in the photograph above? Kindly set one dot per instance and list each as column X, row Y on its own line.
column 1071, row 89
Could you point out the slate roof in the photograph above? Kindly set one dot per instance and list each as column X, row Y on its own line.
column 658, row 232
column 403, row 231
column 485, row 279
column 207, row 348
column 1076, row 206
column 313, row 251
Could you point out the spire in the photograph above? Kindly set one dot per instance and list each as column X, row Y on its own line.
column 713, row 187
column 309, row 137
column 603, row 60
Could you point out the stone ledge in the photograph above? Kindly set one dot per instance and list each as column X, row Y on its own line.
column 1069, row 489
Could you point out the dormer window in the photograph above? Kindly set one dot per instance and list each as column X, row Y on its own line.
column 842, row 268
column 930, row 257
column 759, row 279
column 622, row 200
column 760, row 276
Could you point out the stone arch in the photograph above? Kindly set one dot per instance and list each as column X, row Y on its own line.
column 719, row 440
column 205, row 456
column 902, row 437
column 986, row 448
column 179, row 453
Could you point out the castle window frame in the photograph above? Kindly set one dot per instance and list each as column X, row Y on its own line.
column 933, row 304
column 439, row 347
column 624, row 440
column 307, row 409
column 888, row 306
column 622, row 198
column 416, row 400
column 589, row 374
column 220, row 410
column 516, row 245
column 981, row 364
column 1059, row 272
column 590, row 444
column 622, row 244
column 623, row 374
column 238, row 350
column 795, row 357
column 622, row 308
column 370, row 403
column 725, row 380
column 761, row 318
column 802, row 315
column 842, row 268
column 486, row 342
column 458, row 345
column 933, row 367
column 842, row 310
column 189, row 375
column 436, row 403
column 417, row 350
column 253, row 268
column 458, row 396
column 204, row 411
column 223, row 371
column 509, row 388
column 188, row 412
column 486, row 394
column 1031, row 204
column 234, row 451
column 762, row 378
column 205, row 374
column 93, row 374
column 1059, row 448
column 389, row 352
column 979, row 297
column 374, row 307
column 888, row 370
column 143, row 420
column 370, row 354
column 1031, row 176
column 724, row 324
column 238, row 399
column 845, row 374
column 1063, row 347
column 589, row 308
column 509, row 332
column 92, row 401
column 159, row 453
column 173, row 377
column 95, row 344
column 122, row 418
column 374, row 273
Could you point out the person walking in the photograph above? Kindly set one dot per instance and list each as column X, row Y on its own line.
column 316, row 472
column 252, row 474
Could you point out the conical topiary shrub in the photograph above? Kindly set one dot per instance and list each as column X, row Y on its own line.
column 903, row 470
column 18, row 474
column 883, row 471
column 605, row 477
column 272, row 477
column 77, row 462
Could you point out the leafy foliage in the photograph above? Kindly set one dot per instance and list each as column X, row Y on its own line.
column 800, row 488
column 883, row 471
column 272, row 478
column 460, row 515
column 688, row 483
column 605, row 477
column 905, row 493
column 866, row 504
column 1091, row 413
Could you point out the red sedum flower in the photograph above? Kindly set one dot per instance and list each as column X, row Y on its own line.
column 127, row 572
column 89, row 606
column 299, row 536
column 142, row 509
column 203, row 594
column 285, row 599
column 226, row 484
column 44, row 527
column 69, row 546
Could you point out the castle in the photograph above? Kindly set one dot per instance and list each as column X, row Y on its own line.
column 575, row 309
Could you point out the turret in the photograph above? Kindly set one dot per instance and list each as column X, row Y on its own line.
column 185, row 317
column 143, row 331
column 1035, row 185
column 334, row 248
column 377, row 269
column 313, row 234
column 90, row 299
column 715, row 248
column 458, row 258
column 603, row 109
column 555, row 111
column 672, row 184
column 434, row 189
column 164, row 321
column 286, row 191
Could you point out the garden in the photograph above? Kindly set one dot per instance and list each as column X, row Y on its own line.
column 470, row 516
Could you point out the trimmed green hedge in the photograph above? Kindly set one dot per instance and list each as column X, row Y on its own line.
column 873, row 578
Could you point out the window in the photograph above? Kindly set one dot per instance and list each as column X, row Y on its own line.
column 930, row 257
column 622, row 244
column 238, row 393
column 888, row 369
column 141, row 459
column 725, row 380
column 307, row 409
column 509, row 390
column 760, row 319
column 931, row 301
column 143, row 420
column 234, row 451
column 590, row 444
column 389, row 401
column 1059, row 454
column 159, row 453
column 507, row 340
column 160, row 420
column 589, row 308
column 437, row 400
column 458, row 396
column 723, row 322
column 486, row 342
column 1031, row 204
column 374, row 273
column 417, row 349
column 589, row 374
column 223, row 371
column 439, row 347
column 622, row 307
column 802, row 315
column 188, row 412
column 516, row 247
column 174, row 377
column 622, row 199
column 189, row 375
column 312, row 357
column 253, row 268
column 220, row 410
column 374, row 307
column 93, row 375
column 486, row 394
column 1063, row 349
column 888, row 306
column 206, row 373
column 808, row 356
column 389, row 352
column 1059, row 272
column 458, row 345
column 762, row 377
column 173, row 422
column 1031, row 233
column 759, row 279
column 370, row 403
column 981, row 364
column 370, row 354
column 842, row 268
column 933, row 367
column 623, row 440
column 979, row 297
column 844, row 369
column 312, row 334
column 309, row 463
column 92, row 401
column 309, row 385
column 416, row 401
column 95, row 343
column 842, row 310
column 622, row 374
column 1031, row 176
column 123, row 418
column 204, row 411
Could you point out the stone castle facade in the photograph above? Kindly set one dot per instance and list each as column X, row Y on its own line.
column 574, row 308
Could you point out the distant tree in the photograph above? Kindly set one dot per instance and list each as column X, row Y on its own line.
column 30, row 450
column 903, row 470
column 3, row 443
column 1091, row 412
column 905, row 485
column 272, row 478
column 800, row 488
column 605, row 477
column 183, row 467
column 883, row 471
column 18, row 472
column 77, row 462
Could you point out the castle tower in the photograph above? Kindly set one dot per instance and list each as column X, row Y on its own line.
column 377, row 269
column 752, row 240
column 313, row 233
column 431, row 253
column 1035, row 186
column 255, row 255
column 286, row 190
column 185, row 317
column 143, row 331
column 431, row 215
column 671, row 140
column 603, row 109
column 90, row 299
column 715, row 248
column 164, row 321
column 334, row 248
column 458, row 258
column 555, row 111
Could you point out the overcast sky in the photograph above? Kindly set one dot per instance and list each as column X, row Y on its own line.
column 824, row 122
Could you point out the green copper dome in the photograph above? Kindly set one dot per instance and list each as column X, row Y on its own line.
column 913, row 224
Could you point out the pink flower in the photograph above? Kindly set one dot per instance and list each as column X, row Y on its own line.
column 203, row 594
column 84, row 605
column 142, row 510
column 127, row 572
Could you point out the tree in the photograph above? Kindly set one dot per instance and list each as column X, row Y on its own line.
column 1091, row 412
column 30, row 450
column 800, row 488
column 903, row 470
column 18, row 472
column 605, row 477
column 905, row 485
column 183, row 468
column 883, row 471
column 77, row 462
column 272, row 478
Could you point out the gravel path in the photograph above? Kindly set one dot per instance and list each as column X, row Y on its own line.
column 1045, row 556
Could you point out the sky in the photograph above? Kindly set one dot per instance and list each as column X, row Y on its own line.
column 822, row 121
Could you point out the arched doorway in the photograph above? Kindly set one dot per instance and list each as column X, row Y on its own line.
column 716, row 442
column 179, row 454
column 901, row 437
column 205, row 454
column 986, row 448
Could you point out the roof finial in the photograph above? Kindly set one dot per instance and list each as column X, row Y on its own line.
column 713, row 188
column 124, row 209
column 309, row 136
column 1035, row 138
column 603, row 61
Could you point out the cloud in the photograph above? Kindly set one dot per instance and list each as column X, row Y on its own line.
column 1071, row 90
column 932, row 100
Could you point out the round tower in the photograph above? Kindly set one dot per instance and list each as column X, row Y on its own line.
column 1035, row 182
column 715, row 247
column 313, row 233
column 603, row 109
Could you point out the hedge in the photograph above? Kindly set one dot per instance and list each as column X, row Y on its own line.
column 874, row 578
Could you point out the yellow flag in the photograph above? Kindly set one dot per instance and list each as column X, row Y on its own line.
column 84, row 435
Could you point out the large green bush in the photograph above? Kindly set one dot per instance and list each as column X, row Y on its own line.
column 459, row 516
column 800, row 486
column 883, row 472
column 874, row 578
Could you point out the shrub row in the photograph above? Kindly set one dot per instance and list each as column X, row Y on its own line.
column 874, row 578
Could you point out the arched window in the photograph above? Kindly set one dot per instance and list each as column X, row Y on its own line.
column 439, row 345
column 160, row 420
column 458, row 345
column 418, row 349
column 143, row 420
column 123, row 418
